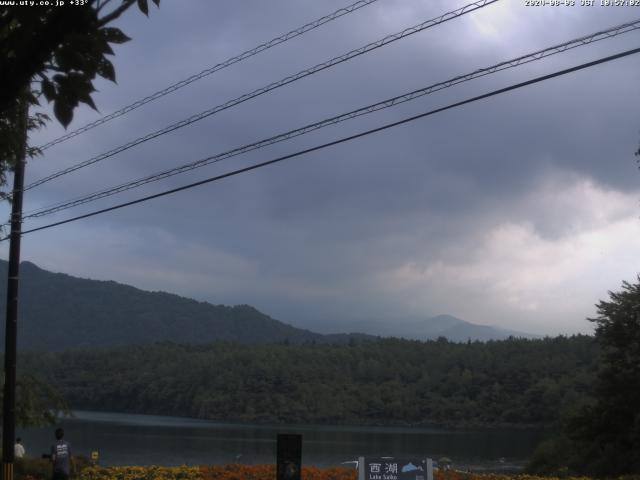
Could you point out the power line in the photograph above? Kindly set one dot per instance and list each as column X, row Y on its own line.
column 339, row 141
column 220, row 66
column 272, row 86
column 538, row 55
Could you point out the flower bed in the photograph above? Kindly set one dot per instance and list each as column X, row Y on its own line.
column 263, row 472
column 141, row 473
column 212, row 472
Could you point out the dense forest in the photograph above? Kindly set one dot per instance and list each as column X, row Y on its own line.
column 513, row 382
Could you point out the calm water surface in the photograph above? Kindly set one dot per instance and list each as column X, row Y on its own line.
column 124, row 439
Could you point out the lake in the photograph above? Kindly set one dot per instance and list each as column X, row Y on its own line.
column 124, row 439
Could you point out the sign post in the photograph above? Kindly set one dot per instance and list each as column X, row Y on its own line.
column 390, row 468
column 289, row 453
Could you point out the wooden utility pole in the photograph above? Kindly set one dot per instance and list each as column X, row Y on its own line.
column 11, row 329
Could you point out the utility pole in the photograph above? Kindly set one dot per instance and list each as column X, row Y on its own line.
column 11, row 330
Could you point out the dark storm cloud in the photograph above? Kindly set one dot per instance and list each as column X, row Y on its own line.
column 365, row 228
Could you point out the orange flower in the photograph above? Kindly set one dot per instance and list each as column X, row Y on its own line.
column 268, row 472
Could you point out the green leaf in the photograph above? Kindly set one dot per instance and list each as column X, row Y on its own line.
column 77, row 87
column 81, row 54
column 48, row 89
column 106, row 70
column 89, row 101
column 114, row 35
column 68, row 58
column 63, row 111
column 143, row 6
column 102, row 46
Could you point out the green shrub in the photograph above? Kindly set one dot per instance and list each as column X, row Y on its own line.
column 550, row 458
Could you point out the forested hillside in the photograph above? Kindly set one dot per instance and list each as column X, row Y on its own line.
column 59, row 311
column 387, row 381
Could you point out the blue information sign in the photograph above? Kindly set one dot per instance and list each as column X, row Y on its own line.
column 395, row 468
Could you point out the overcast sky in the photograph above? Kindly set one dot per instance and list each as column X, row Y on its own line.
column 520, row 211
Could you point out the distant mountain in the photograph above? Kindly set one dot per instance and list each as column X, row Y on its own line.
column 441, row 323
column 457, row 330
column 59, row 311
column 452, row 328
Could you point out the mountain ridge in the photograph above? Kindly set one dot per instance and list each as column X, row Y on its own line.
column 444, row 325
column 59, row 311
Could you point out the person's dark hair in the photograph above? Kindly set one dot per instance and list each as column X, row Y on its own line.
column 59, row 433
column 18, row 440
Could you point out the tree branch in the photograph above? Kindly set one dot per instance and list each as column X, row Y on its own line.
column 126, row 4
column 102, row 4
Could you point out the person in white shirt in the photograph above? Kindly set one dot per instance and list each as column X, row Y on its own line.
column 18, row 449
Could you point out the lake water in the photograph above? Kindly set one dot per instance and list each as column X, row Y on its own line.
column 124, row 439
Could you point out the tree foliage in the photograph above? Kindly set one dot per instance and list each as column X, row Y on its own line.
column 12, row 144
column 62, row 50
column 603, row 438
column 609, row 431
column 53, row 53
column 37, row 402
column 386, row 381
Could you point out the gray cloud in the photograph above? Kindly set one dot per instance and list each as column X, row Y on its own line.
column 506, row 211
